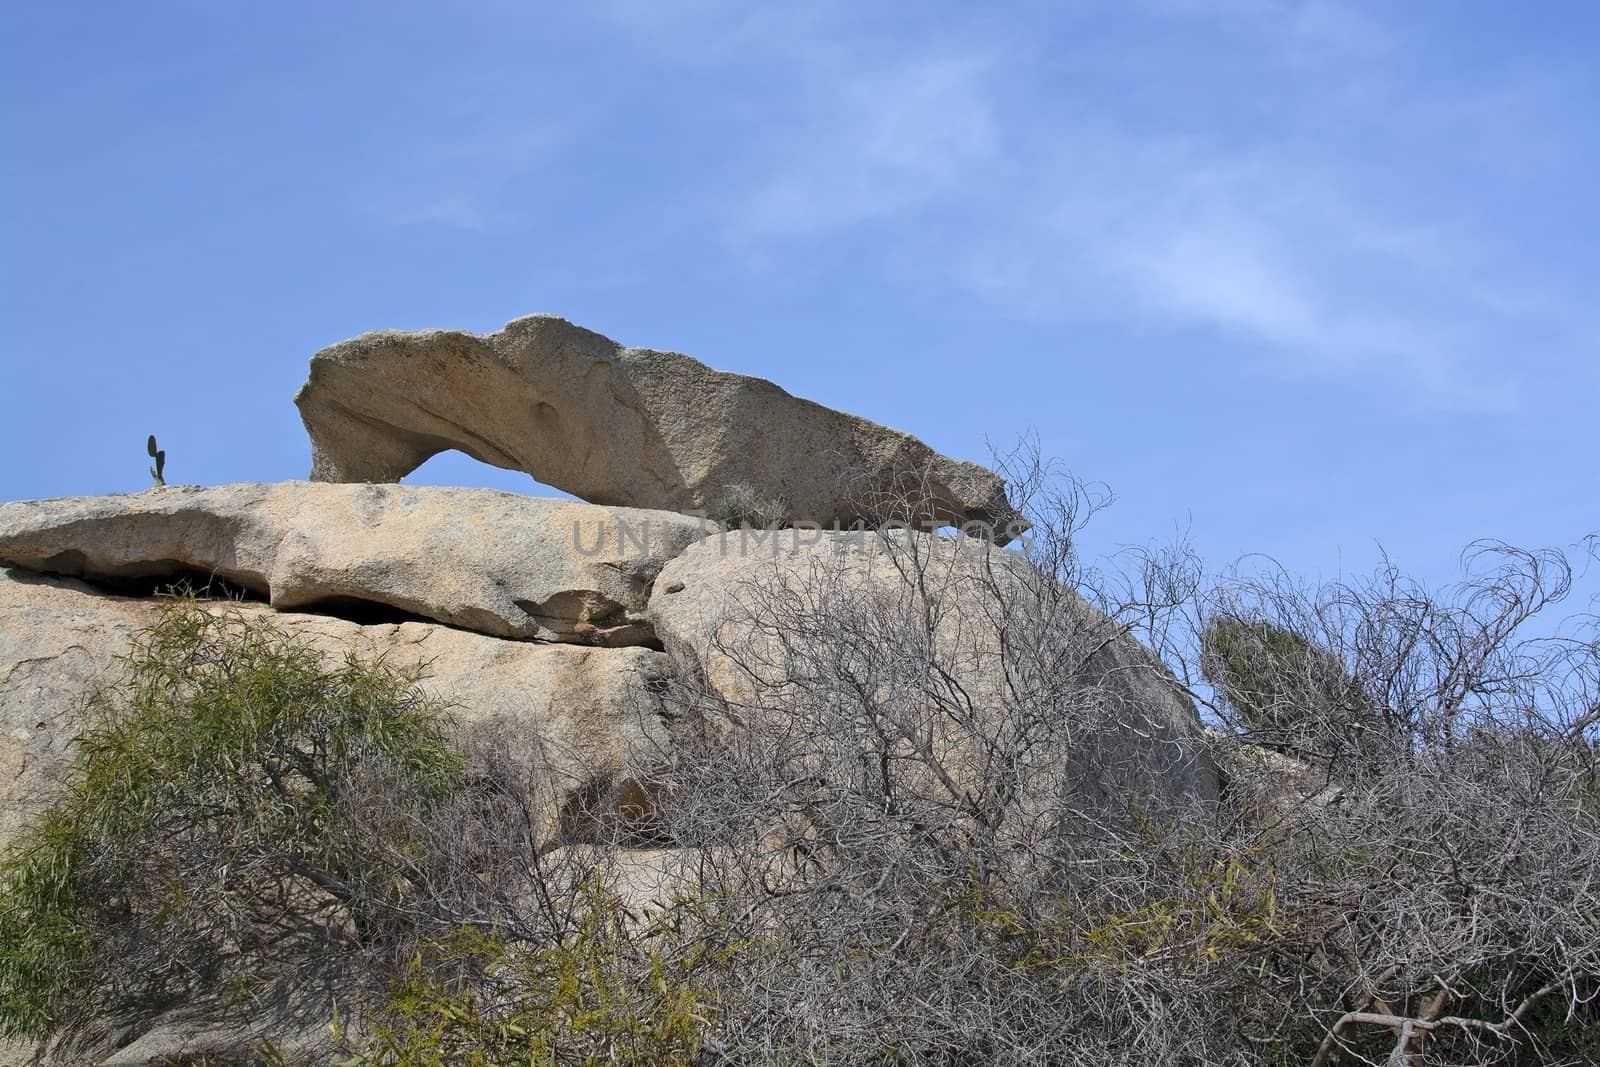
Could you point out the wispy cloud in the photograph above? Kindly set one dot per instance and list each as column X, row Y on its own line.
column 1272, row 172
column 1274, row 233
column 1297, row 31
column 879, row 142
column 459, row 211
column 1263, row 251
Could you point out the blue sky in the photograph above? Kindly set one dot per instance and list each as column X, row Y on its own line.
column 1305, row 278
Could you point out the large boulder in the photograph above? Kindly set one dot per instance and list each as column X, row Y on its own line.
column 955, row 615
column 572, row 713
column 491, row 562
column 615, row 425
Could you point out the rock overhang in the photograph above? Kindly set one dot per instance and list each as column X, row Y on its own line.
column 624, row 426
column 478, row 559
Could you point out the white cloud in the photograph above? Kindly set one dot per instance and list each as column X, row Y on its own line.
column 1225, row 275
column 1263, row 250
column 1277, row 239
column 880, row 142
column 1080, row 181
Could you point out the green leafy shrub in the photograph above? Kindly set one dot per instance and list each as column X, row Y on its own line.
column 1286, row 691
column 220, row 828
column 617, row 988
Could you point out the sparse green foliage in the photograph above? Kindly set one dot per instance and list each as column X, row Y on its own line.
column 47, row 934
column 617, row 988
column 218, row 829
column 159, row 469
column 742, row 505
column 1287, row 692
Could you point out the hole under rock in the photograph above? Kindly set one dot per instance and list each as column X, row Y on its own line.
column 360, row 611
column 156, row 578
column 457, row 469
column 606, row 811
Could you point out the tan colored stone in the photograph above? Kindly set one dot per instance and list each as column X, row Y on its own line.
column 59, row 640
column 571, row 711
column 615, row 425
column 1277, row 790
column 495, row 563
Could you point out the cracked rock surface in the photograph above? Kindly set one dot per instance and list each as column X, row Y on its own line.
column 478, row 559
column 615, row 425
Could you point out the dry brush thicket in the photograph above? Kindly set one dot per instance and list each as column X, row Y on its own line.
column 922, row 822
column 1399, row 868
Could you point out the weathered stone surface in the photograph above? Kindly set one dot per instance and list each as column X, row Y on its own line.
column 57, row 642
column 613, row 425
column 508, row 566
column 572, row 711
column 1143, row 746
column 495, row 563
column 1277, row 790
column 647, row 879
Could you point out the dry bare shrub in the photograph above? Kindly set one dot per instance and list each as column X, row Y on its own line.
column 938, row 820
column 923, row 871
column 742, row 505
column 1441, row 856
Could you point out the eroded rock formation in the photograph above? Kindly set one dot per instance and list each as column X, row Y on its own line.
column 553, row 625
column 568, row 710
column 623, row 426
column 322, row 556
column 495, row 563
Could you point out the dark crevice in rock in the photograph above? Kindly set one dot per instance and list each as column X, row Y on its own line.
column 571, row 617
column 150, row 579
column 604, row 811
column 362, row 612
column 154, row 578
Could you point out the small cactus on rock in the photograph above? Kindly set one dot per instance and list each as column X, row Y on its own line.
column 158, row 472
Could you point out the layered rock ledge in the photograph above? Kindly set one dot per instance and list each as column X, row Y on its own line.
column 491, row 562
column 571, row 713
